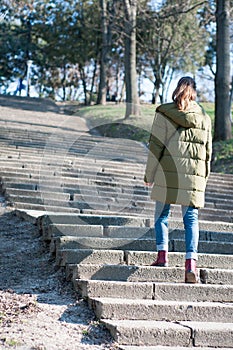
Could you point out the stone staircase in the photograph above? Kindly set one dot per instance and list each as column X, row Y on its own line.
column 86, row 195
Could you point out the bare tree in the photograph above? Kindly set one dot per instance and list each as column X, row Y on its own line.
column 222, row 127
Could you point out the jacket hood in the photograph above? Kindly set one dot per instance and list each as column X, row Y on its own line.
column 187, row 119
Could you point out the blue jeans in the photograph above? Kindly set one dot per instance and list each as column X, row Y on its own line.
column 190, row 220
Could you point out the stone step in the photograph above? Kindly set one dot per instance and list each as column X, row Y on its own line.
column 156, row 310
column 87, row 185
column 154, row 290
column 204, row 216
column 130, row 211
column 70, row 242
column 105, row 203
column 127, row 220
column 211, row 213
column 175, row 245
column 146, row 273
column 84, row 184
column 45, row 208
column 215, row 179
column 65, row 174
column 108, row 203
column 89, row 256
column 105, row 220
column 26, row 191
column 82, row 171
column 130, row 155
column 37, row 199
column 140, row 258
column 180, row 334
column 23, row 169
column 137, row 193
column 75, row 189
column 112, row 201
column 133, row 232
column 73, row 230
column 96, row 208
column 48, row 217
column 159, row 347
column 67, row 194
column 226, row 205
column 210, row 247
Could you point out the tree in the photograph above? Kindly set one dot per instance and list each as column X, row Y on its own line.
column 132, row 101
column 68, row 34
column 104, row 30
column 170, row 38
column 222, row 126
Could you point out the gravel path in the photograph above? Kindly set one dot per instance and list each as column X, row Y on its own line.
column 38, row 308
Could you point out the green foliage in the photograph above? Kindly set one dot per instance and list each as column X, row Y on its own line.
column 171, row 39
column 63, row 38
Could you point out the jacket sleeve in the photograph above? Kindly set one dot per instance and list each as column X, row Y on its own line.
column 156, row 146
column 208, row 150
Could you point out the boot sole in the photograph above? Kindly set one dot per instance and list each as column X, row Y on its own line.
column 160, row 265
column 190, row 277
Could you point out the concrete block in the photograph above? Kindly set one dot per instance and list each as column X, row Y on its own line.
column 164, row 310
column 204, row 235
column 214, row 225
column 105, row 220
column 71, row 242
column 133, row 232
column 114, row 289
column 89, row 256
column 214, row 334
column 145, row 258
column 29, row 215
column 129, row 273
column 203, row 247
column 56, row 230
column 193, row 292
column 177, row 259
column 145, row 333
column 217, row 276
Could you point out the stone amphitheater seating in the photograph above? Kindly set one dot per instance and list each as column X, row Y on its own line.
column 86, row 194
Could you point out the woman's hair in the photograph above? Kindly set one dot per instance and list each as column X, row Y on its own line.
column 184, row 93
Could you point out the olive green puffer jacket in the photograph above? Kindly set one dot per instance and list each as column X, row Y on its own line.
column 179, row 156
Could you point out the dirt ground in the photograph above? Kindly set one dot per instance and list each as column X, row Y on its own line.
column 38, row 308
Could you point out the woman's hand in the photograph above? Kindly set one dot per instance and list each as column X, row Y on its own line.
column 148, row 184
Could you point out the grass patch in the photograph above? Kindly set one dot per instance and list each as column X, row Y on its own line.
column 109, row 121
column 223, row 157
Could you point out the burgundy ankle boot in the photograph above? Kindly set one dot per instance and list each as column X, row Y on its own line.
column 162, row 259
column 190, row 271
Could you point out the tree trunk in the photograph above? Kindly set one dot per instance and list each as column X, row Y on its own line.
column 82, row 75
column 102, row 84
column 222, row 127
column 231, row 98
column 132, row 101
column 93, row 82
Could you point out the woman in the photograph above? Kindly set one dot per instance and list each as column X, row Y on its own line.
column 178, row 167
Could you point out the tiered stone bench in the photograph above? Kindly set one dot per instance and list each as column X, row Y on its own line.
column 86, row 195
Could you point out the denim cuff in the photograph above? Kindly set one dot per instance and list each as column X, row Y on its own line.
column 191, row 255
column 162, row 247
